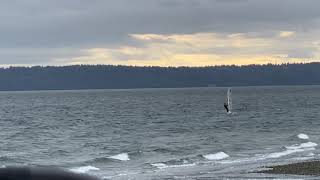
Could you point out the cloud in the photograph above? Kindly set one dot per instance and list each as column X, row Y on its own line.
column 286, row 34
column 60, row 32
column 201, row 49
column 36, row 23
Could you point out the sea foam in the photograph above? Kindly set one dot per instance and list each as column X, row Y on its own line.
column 216, row 156
column 303, row 145
column 163, row 165
column 84, row 169
column 303, row 136
column 121, row 157
column 308, row 146
column 159, row 165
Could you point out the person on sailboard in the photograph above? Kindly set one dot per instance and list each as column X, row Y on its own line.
column 226, row 106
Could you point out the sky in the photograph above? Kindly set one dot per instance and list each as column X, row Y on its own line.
column 158, row 32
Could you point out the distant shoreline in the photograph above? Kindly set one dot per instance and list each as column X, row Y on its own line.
column 85, row 77
column 115, row 89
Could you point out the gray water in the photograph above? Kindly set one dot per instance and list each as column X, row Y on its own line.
column 161, row 133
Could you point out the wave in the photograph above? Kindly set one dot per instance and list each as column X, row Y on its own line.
column 6, row 158
column 121, row 157
column 311, row 154
column 287, row 152
column 223, row 158
column 303, row 158
column 174, row 163
column 309, row 146
column 216, row 156
column 302, row 136
column 159, row 165
column 164, row 166
column 164, row 150
column 108, row 159
column 303, row 145
column 99, row 160
column 84, row 169
column 119, row 175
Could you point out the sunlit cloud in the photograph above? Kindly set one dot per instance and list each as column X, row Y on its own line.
column 201, row 49
column 285, row 34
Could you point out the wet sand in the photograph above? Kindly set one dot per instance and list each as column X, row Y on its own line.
column 301, row 168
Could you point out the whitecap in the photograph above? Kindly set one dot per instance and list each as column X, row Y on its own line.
column 303, row 136
column 298, row 148
column 119, row 175
column 311, row 154
column 303, row 145
column 308, row 146
column 285, row 153
column 84, row 169
column 121, row 157
column 216, row 156
column 159, row 165
column 163, row 165
column 241, row 160
column 302, row 158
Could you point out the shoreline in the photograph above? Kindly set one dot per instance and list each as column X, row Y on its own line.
column 301, row 168
column 157, row 88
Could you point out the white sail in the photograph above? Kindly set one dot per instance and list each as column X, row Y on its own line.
column 229, row 99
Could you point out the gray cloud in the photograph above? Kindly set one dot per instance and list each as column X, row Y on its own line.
column 98, row 23
column 80, row 22
column 40, row 56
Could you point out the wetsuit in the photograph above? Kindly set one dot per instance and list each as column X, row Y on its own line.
column 226, row 107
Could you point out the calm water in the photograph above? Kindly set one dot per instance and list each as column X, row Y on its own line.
column 161, row 133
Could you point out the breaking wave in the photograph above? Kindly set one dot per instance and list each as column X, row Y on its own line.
column 84, row 169
column 216, row 156
column 121, row 157
column 298, row 148
column 309, row 146
column 164, row 166
column 302, row 136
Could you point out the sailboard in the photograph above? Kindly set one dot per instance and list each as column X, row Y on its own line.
column 229, row 100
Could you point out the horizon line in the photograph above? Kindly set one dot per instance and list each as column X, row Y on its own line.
column 150, row 66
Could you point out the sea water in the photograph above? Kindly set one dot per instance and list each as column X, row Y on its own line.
column 162, row 133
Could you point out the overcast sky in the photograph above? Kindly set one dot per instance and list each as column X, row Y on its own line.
column 158, row 32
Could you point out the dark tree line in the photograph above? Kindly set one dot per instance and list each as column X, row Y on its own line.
column 111, row 77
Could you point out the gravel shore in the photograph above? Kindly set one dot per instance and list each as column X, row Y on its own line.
column 302, row 168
